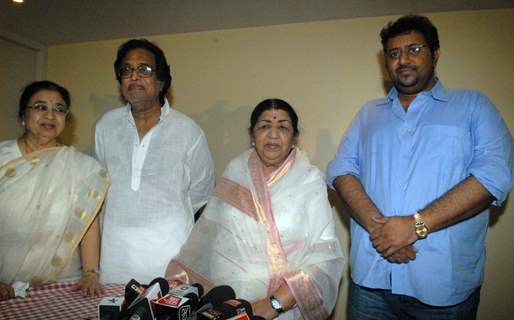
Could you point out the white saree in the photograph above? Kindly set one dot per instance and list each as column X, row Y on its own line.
column 48, row 200
column 257, row 233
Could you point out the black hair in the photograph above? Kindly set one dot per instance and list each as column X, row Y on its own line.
column 409, row 23
column 162, row 68
column 34, row 88
column 277, row 104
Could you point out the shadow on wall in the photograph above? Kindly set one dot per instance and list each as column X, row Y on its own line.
column 68, row 135
column 96, row 106
column 386, row 82
column 226, row 130
column 326, row 144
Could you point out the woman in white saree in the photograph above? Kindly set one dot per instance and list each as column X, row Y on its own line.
column 268, row 230
column 50, row 195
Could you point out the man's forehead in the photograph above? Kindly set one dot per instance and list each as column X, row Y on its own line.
column 139, row 54
column 408, row 37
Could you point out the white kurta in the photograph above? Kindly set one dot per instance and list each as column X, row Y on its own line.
column 155, row 191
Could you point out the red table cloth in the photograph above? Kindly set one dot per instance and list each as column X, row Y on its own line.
column 56, row 301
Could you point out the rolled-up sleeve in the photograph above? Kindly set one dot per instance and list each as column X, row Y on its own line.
column 492, row 162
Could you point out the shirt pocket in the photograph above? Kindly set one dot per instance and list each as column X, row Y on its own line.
column 448, row 145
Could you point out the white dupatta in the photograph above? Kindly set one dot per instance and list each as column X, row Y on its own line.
column 48, row 200
column 257, row 233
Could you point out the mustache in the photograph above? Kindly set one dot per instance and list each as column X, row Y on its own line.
column 406, row 67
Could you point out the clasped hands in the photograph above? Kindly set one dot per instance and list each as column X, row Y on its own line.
column 393, row 237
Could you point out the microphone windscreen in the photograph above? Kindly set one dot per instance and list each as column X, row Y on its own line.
column 133, row 289
column 199, row 287
column 218, row 294
column 193, row 297
column 163, row 284
column 235, row 306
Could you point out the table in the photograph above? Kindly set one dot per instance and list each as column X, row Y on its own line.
column 56, row 301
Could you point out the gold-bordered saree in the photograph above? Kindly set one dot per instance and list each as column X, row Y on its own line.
column 257, row 233
column 48, row 199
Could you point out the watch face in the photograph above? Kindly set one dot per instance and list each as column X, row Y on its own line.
column 421, row 231
column 275, row 304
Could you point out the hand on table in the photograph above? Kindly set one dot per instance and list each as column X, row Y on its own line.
column 393, row 234
column 89, row 285
column 6, row 291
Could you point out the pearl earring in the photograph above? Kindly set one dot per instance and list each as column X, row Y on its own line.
column 23, row 123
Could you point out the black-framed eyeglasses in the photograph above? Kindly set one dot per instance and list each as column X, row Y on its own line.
column 413, row 50
column 142, row 70
column 42, row 107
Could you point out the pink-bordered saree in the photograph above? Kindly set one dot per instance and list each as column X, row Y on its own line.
column 258, row 232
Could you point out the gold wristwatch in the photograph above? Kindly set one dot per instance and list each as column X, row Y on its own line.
column 420, row 226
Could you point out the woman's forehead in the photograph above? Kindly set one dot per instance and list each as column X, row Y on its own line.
column 274, row 114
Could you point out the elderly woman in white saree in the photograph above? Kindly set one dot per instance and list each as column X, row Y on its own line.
column 50, row 196
column 268, row 230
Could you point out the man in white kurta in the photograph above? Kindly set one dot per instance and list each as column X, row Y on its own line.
column 159, row 180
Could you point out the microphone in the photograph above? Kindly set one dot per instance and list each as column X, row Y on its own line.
column 179, row 303
column 142, row 308
column 216, row 297
column 196, row 289
column 133, row 289
column 233, row 309
column 236, row 306
column 109, row 308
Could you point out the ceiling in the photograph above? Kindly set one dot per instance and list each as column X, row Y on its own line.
column 52, row 22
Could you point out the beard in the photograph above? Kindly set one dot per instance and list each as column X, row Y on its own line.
column 408, row 79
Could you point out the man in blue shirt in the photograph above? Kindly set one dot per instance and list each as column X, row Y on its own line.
column 419, row 168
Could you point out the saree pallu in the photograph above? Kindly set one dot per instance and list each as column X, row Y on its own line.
column 258, row 233
column 48, row 199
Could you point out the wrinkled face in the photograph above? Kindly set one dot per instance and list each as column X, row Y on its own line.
column 137, row 88
column 273, row 136
column 410, row 70
column 45, row 116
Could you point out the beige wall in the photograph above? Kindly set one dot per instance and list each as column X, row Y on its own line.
column 326, row 70
column 21, row 61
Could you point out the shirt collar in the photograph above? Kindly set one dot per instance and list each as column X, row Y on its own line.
column 165, row 110
column 438, row 92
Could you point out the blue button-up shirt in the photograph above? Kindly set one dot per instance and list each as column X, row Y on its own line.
column 405, row 160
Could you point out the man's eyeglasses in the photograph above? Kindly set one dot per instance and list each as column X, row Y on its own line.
column 43, row 107
column 142, row 70
column 413, row 50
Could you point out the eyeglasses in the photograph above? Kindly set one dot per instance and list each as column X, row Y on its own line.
column 142, row 70
column 413, row 50
column 41, row 107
